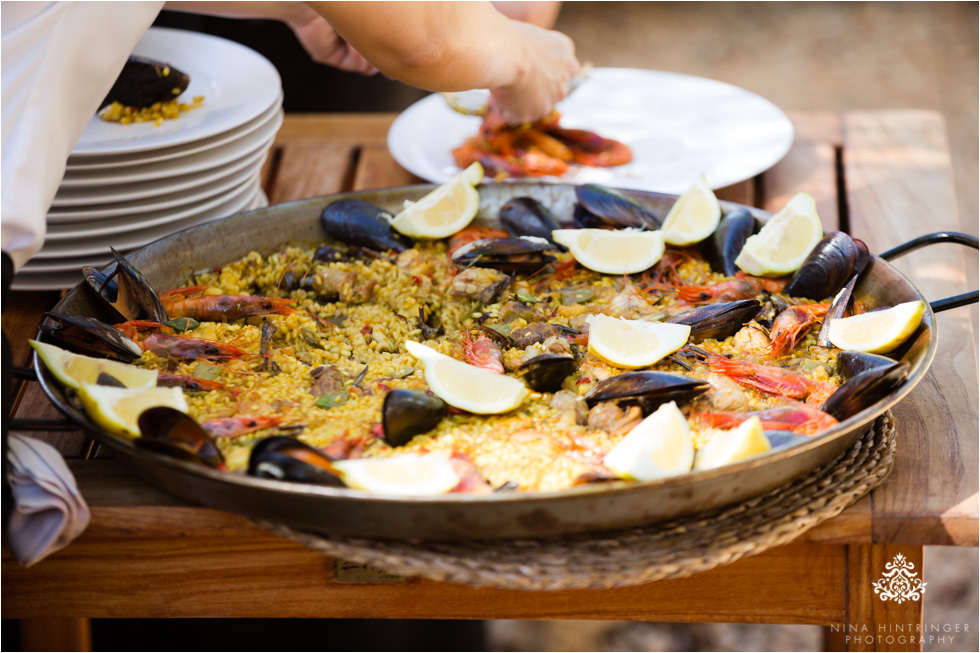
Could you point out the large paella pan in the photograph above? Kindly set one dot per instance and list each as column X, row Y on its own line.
column 575, row 507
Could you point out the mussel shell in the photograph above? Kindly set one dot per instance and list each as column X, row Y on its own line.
column 546, row 372
column 363, row 224
column 288, row 459
column 837, row 310
column 534, row 333
column 144, row 82
column 89, row 335
column 648, row 389
column 526, row 216
column 126, row 291
column 132, row 283
column 407, row 413
column 772, row 306
column 828, row 267
column 852, row 363
column 726, row 243
column 717, row 321
column 508, row 255
column 602, row 206
column 169, row 431
column 865, row 389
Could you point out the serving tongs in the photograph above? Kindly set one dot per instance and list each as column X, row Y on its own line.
column 475, row 102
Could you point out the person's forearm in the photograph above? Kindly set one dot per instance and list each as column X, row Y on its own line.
column 269, row 10
column 543, row 14
column 288, row 12
column 440, row 46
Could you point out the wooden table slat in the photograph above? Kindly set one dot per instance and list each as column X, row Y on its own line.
column 811, row 168
column 222, row 577
column 890, row 204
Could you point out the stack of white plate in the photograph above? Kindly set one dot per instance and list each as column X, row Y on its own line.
column 128, row 185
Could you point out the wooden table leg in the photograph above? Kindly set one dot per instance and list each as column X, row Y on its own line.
column 874, row 623
column 55, row 634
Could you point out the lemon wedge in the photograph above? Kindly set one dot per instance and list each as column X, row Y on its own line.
column 74, row 369
column 733, row 446
column 445, row 210
column 877, row 332
column 118, row 409
column 407, row 475
column 633, row 344
column 466, row 386
column 694, row 216
column 659, row 446
column 623, row 251
column 784, row 241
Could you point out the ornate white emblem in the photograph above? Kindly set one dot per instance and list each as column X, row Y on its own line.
column 899, row 582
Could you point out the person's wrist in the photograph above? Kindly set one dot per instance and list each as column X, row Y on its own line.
column 298, row 14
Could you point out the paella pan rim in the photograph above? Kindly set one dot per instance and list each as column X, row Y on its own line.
column 859, row 422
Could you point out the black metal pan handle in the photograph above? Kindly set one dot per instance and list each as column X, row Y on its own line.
column 931, row 239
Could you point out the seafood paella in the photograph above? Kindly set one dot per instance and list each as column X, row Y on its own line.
column 540, row 149
column 495, row 359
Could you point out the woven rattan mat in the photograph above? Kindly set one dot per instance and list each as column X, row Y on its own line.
column 668, row 549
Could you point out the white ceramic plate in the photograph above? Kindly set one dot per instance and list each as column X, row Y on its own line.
column 76, row 230
column 54, row 254
column 89, row 163
column 676, row 125
column 237, row 83
column 155, row 172
column 104, row 201
column 37, row 275
column 174, row 202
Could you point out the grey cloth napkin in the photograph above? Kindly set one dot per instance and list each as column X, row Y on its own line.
column 49, row 510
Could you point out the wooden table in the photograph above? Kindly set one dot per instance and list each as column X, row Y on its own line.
column 883, row 176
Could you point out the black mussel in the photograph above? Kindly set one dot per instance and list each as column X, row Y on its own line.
column 865, row 389
column 288, row 459
column 599, row 206
column 126, row 290
column 509, row 255
column 169, row 431
column 498, row 334
column 104, row 378
column 717, row 321
column 514, row 309
column 783, row 439
column 360, row 223
column 546, row 372
column 429, row 332
column 297, row 280
column 328, row 254
column 647, row 389
column 724, row 246
column 407, row 413
column 88, row 335
column 837, row 310
column 533, row 334
column 852, row 363
column 526, row 216
column 485, row 285
column 144, row 82
column 772, row 305
column 828, row 267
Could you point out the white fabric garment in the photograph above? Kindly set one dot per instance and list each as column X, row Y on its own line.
column 50, row 511
column 59, row 59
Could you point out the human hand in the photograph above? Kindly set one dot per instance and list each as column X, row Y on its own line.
column 324, row 44
column 546, row 66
